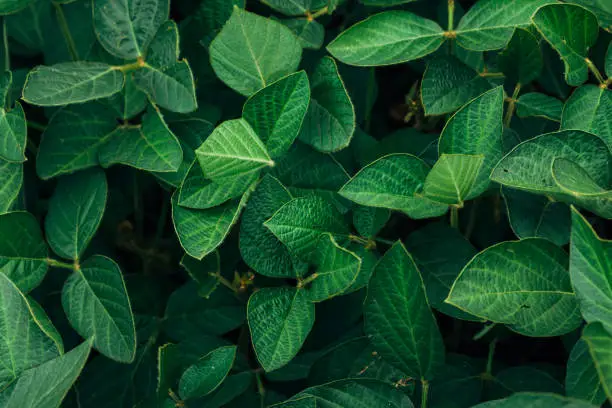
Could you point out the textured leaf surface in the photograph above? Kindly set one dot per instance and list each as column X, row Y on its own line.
column 535, row 400
column 590, row 109
column 599, row 342
column 398, row 320
column 171, row 87
column 13, row 129
column 524, row 284
column 539, row 105
column 521, row 61
column 452, row 178
column 11, row 179
column 207, row 373
column 581, row 379
column 311, row 34
column 575, row 180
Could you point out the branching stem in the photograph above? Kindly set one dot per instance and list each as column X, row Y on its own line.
column 512, row 105
column 58, row 264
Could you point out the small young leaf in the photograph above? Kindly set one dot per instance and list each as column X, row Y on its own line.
column 207, row 373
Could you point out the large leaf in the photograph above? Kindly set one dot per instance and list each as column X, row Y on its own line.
column 251, row 52
column 575, row 180
column 126, row 27
column 232, row 150
column 398, row 319
column 590, row 109
column 476, row 129
column 387, row 38
column 277, row 111
column 393, row 182
column 75, row 212
column 599, row 342
column 97, row 305
column 558, row 24
column 330, row 121
column 524, row 284
column 280, row 320
column 23, row 252
column 582, row 380
column 71, row 82
column 207, row 373
column 451, row 179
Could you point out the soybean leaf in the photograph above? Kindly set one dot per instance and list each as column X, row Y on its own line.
column 397, row 317
column 13, row 6
column 521, row 60
column 476, row 129
column 251, row 52
column 601, row 8
column 609, row 59
column 75, row 212
column 126, row 27
column 393, row 182
column 96, row 303
column 387, row 38
column 280, row 320
column 23, row 252
column 311, row 34
column 204, row 272
column 295, row 7
column 71, row 82
column 130, row 101
column 368, row 221
column 535, row 400
column 233, row 149
column 171, row 87
column 330, row 122
column 599, row 342
column 582, row 380
column 575, row 180
column 521, row 379
column 452, row 177
column 207, row 373
column 11, row 179
column 277, row 111
column 164, row 49
column 529, row 283
column 540, row 105
column 13, row 127
column 589, row 109
column 556, row 23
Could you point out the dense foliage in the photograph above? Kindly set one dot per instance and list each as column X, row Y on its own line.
column 306, row 203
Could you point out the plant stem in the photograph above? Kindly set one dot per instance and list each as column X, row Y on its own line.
column 490, row 357
column 384, row 241
column 260, row 388
column 7, row 55
column 358, row 239
column 61, row 19
column 512, row 105
column 36, row 125
column 222, row 280
column 596, row 72
column 454, row 217
column 140, row 63
column 306, row 281
column 59, row 264
column 424, row 392
column 484, row 331
column 451, row 15
column 318, row 13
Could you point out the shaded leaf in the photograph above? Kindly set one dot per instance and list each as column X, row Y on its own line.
column 207, row 373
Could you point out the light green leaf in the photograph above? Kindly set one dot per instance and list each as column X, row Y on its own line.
column 126, row 27
column 150, row 146
column 590, row 109
column 397, row 317
column 302, row 221
column 599, row 342
column 277, row 111
column 489, row 24
column 476, row 129
column 11, row 179
column 311, row 34
column 330, row 122
column 521, row 61
column 449, row 84
column 581, row 379
column 575, row 180
column 535, row 400
column 27, row 342
column 524, row 284
column 171, row 87
column 72, row 139
column 393, row 182
column 23, row 252
column 280, row 320
column 14, row 131
column 75, row 212
column 207, row 373
column 233, row 149
column 387, row 38
column 539, row 105
column 451, row 179
column 260, row 249
column 46, row 386
column 251, row 52
column 558, row 24
column 71, row 82
column 97, row 305
column 591, row 272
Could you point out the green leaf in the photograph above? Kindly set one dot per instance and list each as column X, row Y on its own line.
column 368, row 221
column 601, row 8
column 11, row 179
column 521, row 60
column 451, row 179
column 23, row 252
column 539, row 105
column 130, row 101
column 590, row 269
column 204, row 273
column 489, row 25
column 171, row 87
column 97, row 305
column 589, row 109
column 311, row 34
column 330, row 122
column 75, row 212
column 337, row 269
column 599, row 342
column 46, row 386
column 476, row 129
column 232, row 150
column 393, row 182
column 150, row 146
column 535, row 400
column 164, row 49
column 260, row 249
column 251, row 52
column 609, row 58
column 14, row 131
column 277, row 111
column 523, row 378
column 295, row 7
column 280, row 320
column 582, row 380
column 524, row 284
column 27, row 341
column 71, row 82
column 575, row 180
column 126, row 27
column 558, row 24
column 397, row 317
column 13, row 6
column 387, row 38
column 207, row 373
column 449, row 84
column 302, row 221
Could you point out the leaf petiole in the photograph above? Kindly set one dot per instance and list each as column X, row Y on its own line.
column 63, row 265
column 424, row 393
column 596, row 72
